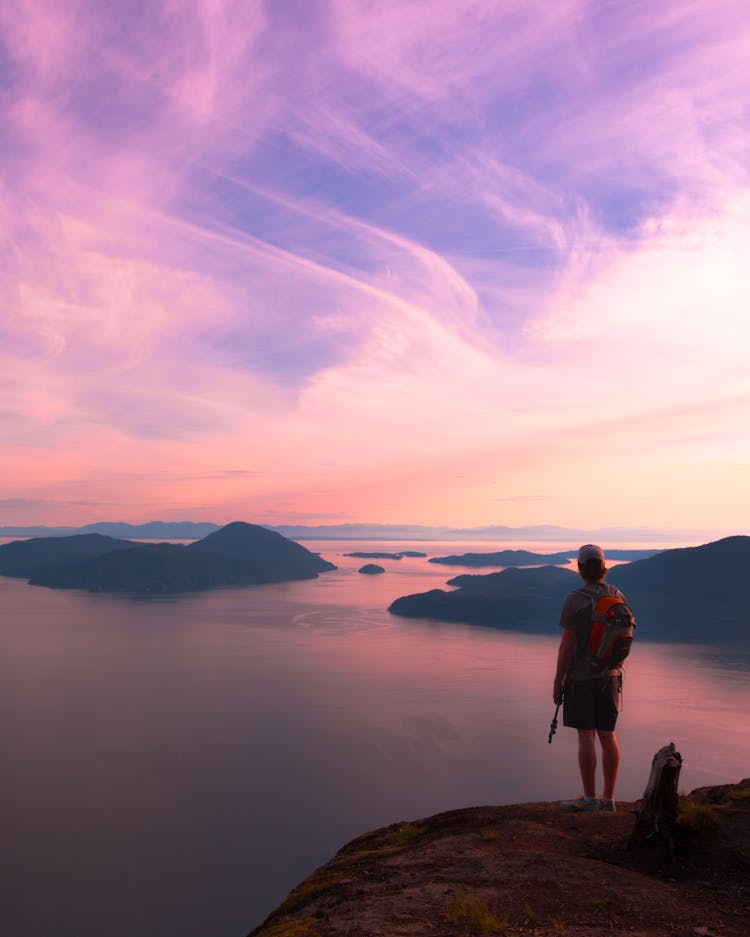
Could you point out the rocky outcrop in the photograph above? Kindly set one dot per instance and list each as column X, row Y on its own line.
column 531, row 870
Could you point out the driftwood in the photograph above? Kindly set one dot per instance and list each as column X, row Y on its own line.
column 657, row 813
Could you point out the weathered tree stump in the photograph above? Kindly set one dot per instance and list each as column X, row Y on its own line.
column 657, row 813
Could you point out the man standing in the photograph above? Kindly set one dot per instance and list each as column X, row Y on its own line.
column 591, row 699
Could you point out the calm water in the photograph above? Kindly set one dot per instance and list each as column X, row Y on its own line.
column 171, row 768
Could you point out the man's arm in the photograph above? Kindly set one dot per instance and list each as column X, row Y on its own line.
column 564, row 657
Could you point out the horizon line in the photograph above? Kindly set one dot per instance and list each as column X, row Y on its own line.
column 360, row 530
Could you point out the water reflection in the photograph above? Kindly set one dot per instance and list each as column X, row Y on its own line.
column 174, row 767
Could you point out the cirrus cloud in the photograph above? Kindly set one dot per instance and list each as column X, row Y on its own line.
column 356, row 250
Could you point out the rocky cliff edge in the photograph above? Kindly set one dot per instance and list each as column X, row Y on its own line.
column 530, row 870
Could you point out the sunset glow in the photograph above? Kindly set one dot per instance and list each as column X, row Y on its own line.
column 395, row 261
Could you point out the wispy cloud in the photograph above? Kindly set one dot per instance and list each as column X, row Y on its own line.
column 356, row 249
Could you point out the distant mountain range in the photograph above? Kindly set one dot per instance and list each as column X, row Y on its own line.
column 154, row 530
column 188, row 530
column 492, row 532
column 238, row 554
column 696, row 594
column 24, row 558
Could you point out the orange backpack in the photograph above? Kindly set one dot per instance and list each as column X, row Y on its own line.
column 612, row 631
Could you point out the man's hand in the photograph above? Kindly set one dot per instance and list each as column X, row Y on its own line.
column 557, row 692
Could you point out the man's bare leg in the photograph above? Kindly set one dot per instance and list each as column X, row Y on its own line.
column 610, row 762
column 587, row 760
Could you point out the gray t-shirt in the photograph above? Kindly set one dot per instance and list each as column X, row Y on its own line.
column 576, row 617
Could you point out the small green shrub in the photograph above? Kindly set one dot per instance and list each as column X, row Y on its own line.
column 476, row 912
column 698, row 817
column 307, row 890
column 406, row 834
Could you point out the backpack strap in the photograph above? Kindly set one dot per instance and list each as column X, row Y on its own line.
column 583, row 641
column 581, row 653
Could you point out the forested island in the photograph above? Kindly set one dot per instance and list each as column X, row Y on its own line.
column 693, row 594
column 375, row 555
column 530, row 558
column 689, row 594
column 238, row 554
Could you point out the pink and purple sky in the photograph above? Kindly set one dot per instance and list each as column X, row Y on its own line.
column 424, row 261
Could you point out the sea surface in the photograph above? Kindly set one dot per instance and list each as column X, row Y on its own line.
column 172, row 767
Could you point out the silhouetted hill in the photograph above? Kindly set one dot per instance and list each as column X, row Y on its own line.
column 371, row 569
column 378, row 555
column 267, row 549
column 375, row 556
column 692, row 594
column 22, row 557
column 524, row 599
column 146, row 568
column 696, row 594
column 237, row 555
column 504, row 558
column 528, row 558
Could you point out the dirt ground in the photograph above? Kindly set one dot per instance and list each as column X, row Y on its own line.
column 531, row 870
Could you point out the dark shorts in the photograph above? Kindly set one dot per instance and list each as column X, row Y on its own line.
column 592, row 704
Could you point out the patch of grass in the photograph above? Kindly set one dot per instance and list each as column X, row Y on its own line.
column 529, row 913
column 599, row 840
column 307, row 890
column 476, row 913
column 375, row 838
column 490, row 836
column 740, row 793
column 368, row 854
column 698, row 817
column 405, row 834
column 600, row 902
column 307, row 928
